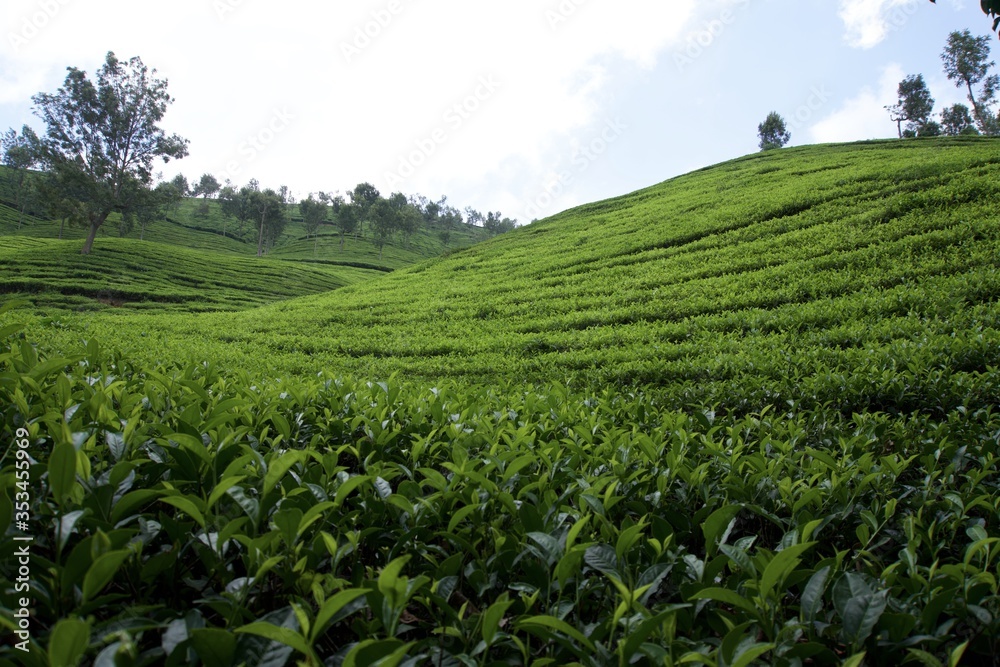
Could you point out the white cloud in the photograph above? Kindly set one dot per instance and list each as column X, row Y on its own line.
column 359, row 103
column 863, row 116
column 868, row 22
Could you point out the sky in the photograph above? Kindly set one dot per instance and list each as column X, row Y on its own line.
column 527, row 107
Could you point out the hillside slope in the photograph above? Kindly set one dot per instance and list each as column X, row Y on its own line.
column 142, row 275
column 779, row 445
column 784, row 265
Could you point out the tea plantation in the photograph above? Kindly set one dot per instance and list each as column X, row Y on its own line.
column 747, row 416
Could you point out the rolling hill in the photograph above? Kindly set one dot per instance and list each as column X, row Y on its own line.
column 194, row 260
column 746, row 416
column 841, row 256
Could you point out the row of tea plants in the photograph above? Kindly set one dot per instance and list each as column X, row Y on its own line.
column 198, row 516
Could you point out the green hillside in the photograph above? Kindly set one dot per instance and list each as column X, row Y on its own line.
column 748, row 416
column 143, row 275
column 194, row 260
column 836, row 256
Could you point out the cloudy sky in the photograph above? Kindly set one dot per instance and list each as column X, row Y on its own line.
column 525, row 106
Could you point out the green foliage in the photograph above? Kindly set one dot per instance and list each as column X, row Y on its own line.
column 776, row 443
column 388, row 522
column 123, row 274
column 808, row 274
column 966, row 62
column 103, row 136
column 772, row 132
column 915, row 107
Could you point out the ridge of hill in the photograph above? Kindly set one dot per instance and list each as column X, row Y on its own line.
column 839, row 255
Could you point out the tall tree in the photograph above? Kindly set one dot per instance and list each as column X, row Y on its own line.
column 103, row 136
column 269, row 207
column 363, row 197
column 385, row 221
column 20, row 155
column 956, row 120
column 408, row 216
column 207, row 186
column 314, row 213
column 180, row 182
column 966, row 62
column 473, row 217
column 772, row 132
column 238, row 203
column 914, row 107
column 345, row 217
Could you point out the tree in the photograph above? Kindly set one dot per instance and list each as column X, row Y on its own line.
column 269, row 207
column 20, row 155
column 772, row 132
column 915, row 106
column 473, row 217
column 956, row 120
column 314, row 212
column 363, row 197
column 103, row 136
column 385, row 220
column 206, row 187
column 238, row 203
column 496, row 224
column 966, row 63
column 149, row 206
column 180, row 182
column 408, row 216
column 345, row 217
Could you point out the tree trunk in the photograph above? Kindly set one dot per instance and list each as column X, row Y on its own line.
column 89, row 243
column 342, row 239
column 61, row 224
column 260, row 238
column 976, row 111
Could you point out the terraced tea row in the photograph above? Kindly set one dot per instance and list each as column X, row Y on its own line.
column 838, row 255
column 199, row 516
column 147, row 276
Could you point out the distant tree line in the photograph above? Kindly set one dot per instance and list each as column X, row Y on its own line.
column 966, row 63
column 96, row 158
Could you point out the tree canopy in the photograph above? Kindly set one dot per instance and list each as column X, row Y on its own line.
column 914, row 107
column 772, row 132
column 103, row 136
